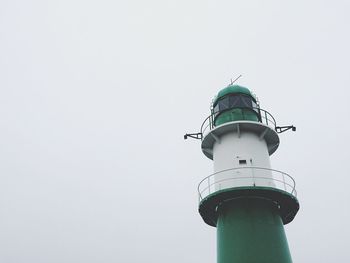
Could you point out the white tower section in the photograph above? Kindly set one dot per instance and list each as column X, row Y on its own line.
column 240, row 144
column 240, row 151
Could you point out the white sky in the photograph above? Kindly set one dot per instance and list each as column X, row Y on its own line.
column 95, row 97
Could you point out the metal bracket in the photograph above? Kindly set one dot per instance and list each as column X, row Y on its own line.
column 197, row 135
column 280, row 129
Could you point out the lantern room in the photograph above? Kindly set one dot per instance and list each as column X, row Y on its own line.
column 235, row 103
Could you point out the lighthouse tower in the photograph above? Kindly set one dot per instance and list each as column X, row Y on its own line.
column 247, row 200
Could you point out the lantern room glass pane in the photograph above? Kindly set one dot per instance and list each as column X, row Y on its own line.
column 234, row 101
column 254, row 104
column 224, row 104
column 246, row 101
column 216, row 108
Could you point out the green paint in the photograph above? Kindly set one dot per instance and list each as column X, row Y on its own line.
column 250, row 230
column 249, row 222
column 233, row 89
column 236, row 114
column 288, row 204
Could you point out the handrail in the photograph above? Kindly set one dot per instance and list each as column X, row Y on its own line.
column 264, row 117
column 206, row 184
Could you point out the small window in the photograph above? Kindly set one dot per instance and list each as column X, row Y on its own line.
column 242, row 161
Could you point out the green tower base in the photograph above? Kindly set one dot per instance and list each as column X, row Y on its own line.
column 250, row 230
column 249, row 222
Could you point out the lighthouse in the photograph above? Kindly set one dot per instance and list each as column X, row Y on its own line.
column 245, row 198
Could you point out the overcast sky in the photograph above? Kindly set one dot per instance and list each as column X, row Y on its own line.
column 95, row 97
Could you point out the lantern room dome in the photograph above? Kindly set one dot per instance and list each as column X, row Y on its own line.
column 233, row 89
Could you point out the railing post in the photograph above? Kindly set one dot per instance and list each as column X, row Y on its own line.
column 208, row 185
column 253, row 175
column 284, row 182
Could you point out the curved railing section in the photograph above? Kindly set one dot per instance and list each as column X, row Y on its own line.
column 246, row 176
column 264, row 117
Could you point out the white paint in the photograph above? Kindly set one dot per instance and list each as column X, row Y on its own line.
column 264, row 132
column 251, row 150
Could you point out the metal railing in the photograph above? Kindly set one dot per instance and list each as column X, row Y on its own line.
column 246, row 176
column 263, row 117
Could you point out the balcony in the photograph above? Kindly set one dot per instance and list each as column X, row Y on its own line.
column 246, row 177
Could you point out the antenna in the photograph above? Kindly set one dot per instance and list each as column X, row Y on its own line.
column 235, row 79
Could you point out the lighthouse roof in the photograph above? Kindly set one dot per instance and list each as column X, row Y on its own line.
column 233, row 89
